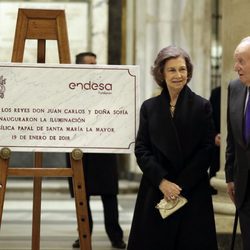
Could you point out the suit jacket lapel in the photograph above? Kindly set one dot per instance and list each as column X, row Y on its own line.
column 237, row 111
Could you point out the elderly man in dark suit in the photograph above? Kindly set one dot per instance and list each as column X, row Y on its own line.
column 237, row 166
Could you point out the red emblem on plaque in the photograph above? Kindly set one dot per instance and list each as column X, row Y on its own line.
column 2, row 86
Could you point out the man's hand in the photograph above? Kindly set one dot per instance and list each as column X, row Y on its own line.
column 217, row 140
column 231, row 191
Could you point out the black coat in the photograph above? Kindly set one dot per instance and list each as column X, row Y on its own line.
column 101, row 173
column 179, row 150
column 215, row 100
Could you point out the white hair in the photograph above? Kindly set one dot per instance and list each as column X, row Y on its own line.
column 245, row 40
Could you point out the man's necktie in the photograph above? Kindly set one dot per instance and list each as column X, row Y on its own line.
column 247, row 121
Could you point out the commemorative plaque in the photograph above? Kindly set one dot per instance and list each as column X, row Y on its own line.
column 56, row 108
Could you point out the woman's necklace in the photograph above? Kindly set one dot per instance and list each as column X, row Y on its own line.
column 172, row 109
column 172, row 103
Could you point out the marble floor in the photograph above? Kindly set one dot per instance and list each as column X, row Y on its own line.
column 58, row 219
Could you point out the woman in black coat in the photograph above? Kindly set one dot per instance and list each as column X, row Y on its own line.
column 173, row 149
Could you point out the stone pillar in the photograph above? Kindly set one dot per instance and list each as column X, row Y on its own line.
column 191, row 30
column 115, row 32
column 99, row 29
column 161, row 23
column 152, row 24
column 235, row 26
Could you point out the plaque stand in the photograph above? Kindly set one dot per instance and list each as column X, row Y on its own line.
column 43, row 25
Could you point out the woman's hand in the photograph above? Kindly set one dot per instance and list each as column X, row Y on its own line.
column 169, row 189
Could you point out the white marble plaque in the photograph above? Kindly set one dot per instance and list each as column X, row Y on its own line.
column 56, row 108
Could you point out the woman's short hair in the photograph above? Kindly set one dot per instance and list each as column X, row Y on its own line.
column 166, row 54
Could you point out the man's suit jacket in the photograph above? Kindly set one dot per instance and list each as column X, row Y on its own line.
column 100, row 172
column 237, row 152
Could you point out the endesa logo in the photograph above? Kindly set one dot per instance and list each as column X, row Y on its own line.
column 102, row 88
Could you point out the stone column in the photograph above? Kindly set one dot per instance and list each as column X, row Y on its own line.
column 191, row 30
column 152, row 24
column 161, row 23
column 99, row 30
column 235, row 26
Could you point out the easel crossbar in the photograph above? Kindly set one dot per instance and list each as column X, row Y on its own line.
column 40, row 172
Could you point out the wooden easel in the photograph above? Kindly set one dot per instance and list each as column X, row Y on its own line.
column 45, row 25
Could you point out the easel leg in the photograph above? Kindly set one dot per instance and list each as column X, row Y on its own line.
column 3, row 177
column 4, row 164
column 53, row 28
column 81, row 203
column 37, row 190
